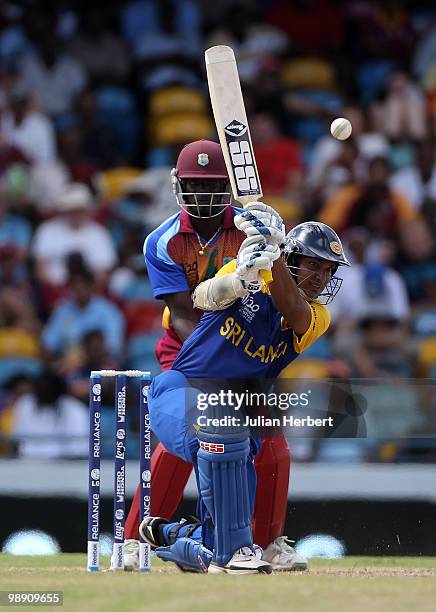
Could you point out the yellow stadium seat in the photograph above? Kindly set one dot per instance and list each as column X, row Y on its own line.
column 177, row 100
column 309, row 73
column 426, row 356
column 17, row 342
column 112, row 184
column 306, row 368
column 288, row 210
column 181, row 128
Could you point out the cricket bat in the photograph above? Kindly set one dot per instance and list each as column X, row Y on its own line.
column 232, row 127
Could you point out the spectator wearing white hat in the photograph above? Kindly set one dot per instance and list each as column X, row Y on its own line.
column 72, row 231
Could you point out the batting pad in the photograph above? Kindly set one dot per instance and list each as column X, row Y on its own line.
column 223, row 465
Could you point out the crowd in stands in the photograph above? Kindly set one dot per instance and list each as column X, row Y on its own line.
column 96, row 101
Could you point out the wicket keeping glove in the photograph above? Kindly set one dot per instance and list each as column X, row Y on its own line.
column 259, row 219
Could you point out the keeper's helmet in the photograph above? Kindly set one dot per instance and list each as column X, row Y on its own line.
column 314, row 239
column 200, row 180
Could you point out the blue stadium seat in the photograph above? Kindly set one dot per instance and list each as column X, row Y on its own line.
column 371, row 78
column 310, row 129
column 140, row 352
column 117, row 110
column 18, row 366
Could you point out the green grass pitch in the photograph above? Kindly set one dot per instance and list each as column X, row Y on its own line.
column 351, row 584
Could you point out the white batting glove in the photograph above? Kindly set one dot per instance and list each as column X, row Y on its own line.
column 257, row 244
column 256, row 207
column 259, row 219
column 255, row 255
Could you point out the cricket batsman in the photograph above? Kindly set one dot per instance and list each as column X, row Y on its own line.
column 244, row 334
column 190, row 247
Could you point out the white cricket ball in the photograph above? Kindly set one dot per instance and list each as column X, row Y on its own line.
column 341, row 128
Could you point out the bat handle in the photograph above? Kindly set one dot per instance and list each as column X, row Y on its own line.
column 266, row 276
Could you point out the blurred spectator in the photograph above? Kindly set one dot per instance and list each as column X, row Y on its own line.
column 253, row 40
column 328, row 150
column 402, row 113
column 91, row 354
column 14, row 273
column 416, row 262
column 14, row 229
column 10, row 155
column 164, row 55
column 71, row 152
column 417, row 181
column 72, row 231
column 130, row 283
column 98, row 141
column 424, row 58
column 47, row 183
column 312, row 26
column 98, row 47
column 54, row 77
column 27, row 129
column 84, row 311
column 13, row 41
column 384, row 350
column 386, row 29
column 50, row 424
column 11, row 390
column 367, row 286
column 345, row 170
column 148, row 201
column 372, row 205
column 267, row 93
column 157, row 28
column 19, row 335
column 278, row 158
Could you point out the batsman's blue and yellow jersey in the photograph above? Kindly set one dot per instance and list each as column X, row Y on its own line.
column 249, row 339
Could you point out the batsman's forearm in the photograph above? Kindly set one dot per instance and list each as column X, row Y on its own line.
column 219, row 292
column 287, row 299
column 283, row 288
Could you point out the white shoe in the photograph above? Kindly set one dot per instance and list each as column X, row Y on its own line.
column 283, row 557
column 244, row 561
column 131, row 556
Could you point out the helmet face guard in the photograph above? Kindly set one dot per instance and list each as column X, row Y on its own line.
column 319, row 241
column 327, row 294
column 201, row 161
column 200, row 204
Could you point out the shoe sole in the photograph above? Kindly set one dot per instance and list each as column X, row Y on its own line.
column 218, row 569
column 298, row 567
column 130, row 568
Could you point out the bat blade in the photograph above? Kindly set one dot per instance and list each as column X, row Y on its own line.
column 232, row 127
column 231, row 123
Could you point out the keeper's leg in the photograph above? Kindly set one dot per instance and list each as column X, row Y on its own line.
column 272, row 465
column 169, row 475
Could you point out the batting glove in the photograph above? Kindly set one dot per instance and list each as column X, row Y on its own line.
column 259, row 219
column 257, row 244
column 255, row 255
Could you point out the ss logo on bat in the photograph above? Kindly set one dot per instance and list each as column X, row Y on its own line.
column 242, row 161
